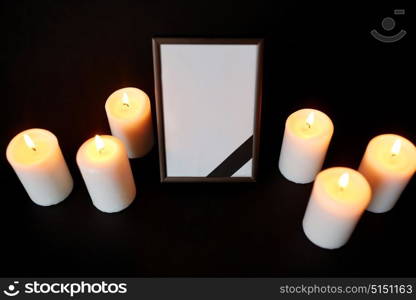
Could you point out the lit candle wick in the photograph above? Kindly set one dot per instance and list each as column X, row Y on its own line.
column 29, row 142
column 99, row 143
column 125, row 100
column 343, row 181
column 395, row 149
column 310, row 119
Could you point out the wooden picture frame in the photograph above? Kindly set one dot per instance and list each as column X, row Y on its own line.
column 216, row 81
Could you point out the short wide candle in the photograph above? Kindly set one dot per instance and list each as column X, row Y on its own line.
column 106, row 171
column 130, row 118
column 308, row 133
column 37, row 159
column 388, row 164
column 339, row 197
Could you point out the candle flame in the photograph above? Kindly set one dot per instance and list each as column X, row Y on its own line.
column 310, row 119
column 343, row 180
column 99, row 143
column 125, row 100
column 395, row 149
column 29, row 142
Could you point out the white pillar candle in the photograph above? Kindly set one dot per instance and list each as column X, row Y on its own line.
column 388, row 164
column 339, row 197
column 305, row 143
column 130, row 117
column 37, row 160
column 107, row 174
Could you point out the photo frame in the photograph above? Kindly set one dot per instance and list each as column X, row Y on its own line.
column 208, row 106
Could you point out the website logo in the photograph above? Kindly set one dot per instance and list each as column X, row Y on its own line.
column 71, row 289
column 388, row 25
column 12, row 290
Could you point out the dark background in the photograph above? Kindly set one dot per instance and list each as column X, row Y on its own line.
column 60, row 60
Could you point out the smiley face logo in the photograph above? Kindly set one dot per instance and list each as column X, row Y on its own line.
column 389, row 24
column 12, row 290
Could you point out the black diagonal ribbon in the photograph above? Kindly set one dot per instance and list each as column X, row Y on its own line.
column 235, row 160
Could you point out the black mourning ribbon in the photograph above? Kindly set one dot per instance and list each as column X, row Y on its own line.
column 235, row 160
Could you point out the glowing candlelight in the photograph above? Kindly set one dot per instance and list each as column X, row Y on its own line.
column 125, row 100
column 308, row 133
column 389, row 163
column 37, row 159
column 105, row 168
column 395, row 149
column 130, row 118
column 99, row 143
column 310, row 119
column 29, row 142
column 338, row 199
column 344, row 180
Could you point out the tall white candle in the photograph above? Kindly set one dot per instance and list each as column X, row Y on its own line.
column 130, row 118
column 339, row 197
column 308, row 133
column 107, row 174
column 37, row 159
column 388, row 164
